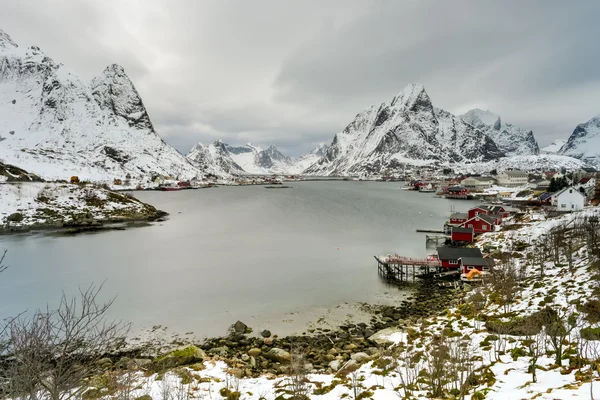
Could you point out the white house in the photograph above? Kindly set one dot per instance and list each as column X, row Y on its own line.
column 478, row 182
column 568, row 199
column 513, row 178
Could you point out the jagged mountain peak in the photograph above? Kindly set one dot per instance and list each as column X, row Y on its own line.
column 510, row 139
column 6, row 41
column 56, row 125
column 409, row 130
column 584, row 142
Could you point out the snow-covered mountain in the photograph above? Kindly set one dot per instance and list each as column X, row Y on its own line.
column 554, row 147
column 55, row 125
column 510, row 139
column 214, row 159
column 255, row 160
column 407, row 130
column 584, row 142
column 310, row 158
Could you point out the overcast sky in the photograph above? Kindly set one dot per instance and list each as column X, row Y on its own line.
column 293, row 73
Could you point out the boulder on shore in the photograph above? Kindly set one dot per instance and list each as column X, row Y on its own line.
column 239, row 327
column 182, row 356
column 278, row 355
column 265, row 333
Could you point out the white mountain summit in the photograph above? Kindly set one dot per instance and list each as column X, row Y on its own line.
column 510, row 139
column 408, row 130
column 56, row 125
column 584, row 142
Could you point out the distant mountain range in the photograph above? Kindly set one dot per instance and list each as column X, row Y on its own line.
column 220, row 158
column 56, row 125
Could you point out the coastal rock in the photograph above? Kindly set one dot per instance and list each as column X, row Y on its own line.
column 268, row 341
column 255, row 352
column 382, row 336
column 360, row 357
column 278, row 355
column 240, row 327
column 182, row 356
column 335, row 365
column 265, row 333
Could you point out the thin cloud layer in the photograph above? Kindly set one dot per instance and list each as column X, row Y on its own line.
column 294, row 73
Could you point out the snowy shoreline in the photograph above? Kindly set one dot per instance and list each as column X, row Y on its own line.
column 70, row 208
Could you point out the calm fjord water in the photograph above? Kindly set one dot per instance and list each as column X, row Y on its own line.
column 230, row 253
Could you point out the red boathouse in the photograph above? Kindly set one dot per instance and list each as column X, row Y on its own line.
column 462, row 235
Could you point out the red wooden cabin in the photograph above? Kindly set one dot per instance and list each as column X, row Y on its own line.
column 478, row 263
column 458, row 218
column 450, row 256
column 464, row 235
column 481, row 223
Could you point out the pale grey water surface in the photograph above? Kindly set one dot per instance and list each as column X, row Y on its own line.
column 273, row 258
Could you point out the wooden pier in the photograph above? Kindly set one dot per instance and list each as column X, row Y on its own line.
column 402, row 269
column 430, row 231
column 436, row 239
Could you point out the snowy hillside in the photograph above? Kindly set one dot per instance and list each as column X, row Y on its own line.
column 542, row 162
column 553, row 147
column 407, row 130
column 56, row 125
column 310, row 158
column 584, row 142
column 510, row 139
column 214, row 159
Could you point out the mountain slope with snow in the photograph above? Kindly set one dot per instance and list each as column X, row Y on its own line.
column 510, row 139
column 554, row 147
column 56, row 125
column 407, row 130
column 584, row 142
column 214, row 159
column 255, row 160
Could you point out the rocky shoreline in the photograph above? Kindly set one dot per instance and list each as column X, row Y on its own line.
column 323, row 349
column 70, row 209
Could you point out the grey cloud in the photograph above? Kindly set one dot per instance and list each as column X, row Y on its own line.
column 294, row 73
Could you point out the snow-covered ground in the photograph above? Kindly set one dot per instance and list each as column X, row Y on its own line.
column 40, row 204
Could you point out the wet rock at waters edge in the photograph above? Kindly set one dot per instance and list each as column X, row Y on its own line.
column 255, row 352
column 265, row 333
column 278, row 355
column 240, row 327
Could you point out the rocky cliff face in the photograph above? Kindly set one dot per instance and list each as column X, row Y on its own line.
column 408, row 130
column 510, row 139
column 584, row 142
column 56, row 125
column 214, row 159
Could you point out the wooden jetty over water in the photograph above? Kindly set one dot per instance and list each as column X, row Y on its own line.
column 436, row 239
column 401, row 269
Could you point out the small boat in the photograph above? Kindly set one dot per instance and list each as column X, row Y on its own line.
column 170, row 188
column 427, row 189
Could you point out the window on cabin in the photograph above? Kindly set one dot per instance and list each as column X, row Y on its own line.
column 563, row 206
column 570, row 190
column 453, row 262
column 484, row 227
column 470, row 225
column 469, row 268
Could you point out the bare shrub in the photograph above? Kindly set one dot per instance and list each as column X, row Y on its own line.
column 298, row 383
column 51, row 352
